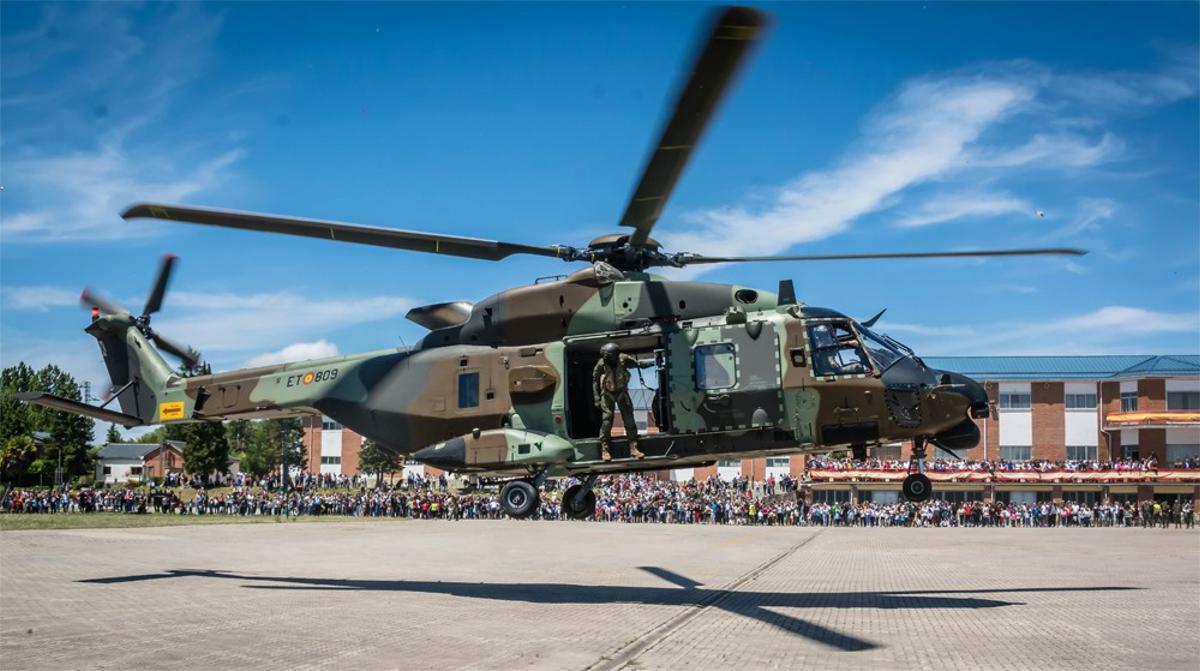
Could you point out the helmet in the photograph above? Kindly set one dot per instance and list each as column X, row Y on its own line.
column 610, row 352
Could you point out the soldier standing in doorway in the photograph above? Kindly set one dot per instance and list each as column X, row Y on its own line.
column 610, row 388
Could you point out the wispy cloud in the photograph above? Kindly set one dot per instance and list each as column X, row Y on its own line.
column 959, row 205
column 972, row 124
column 1112, row 329
column 40, row 299
column 84, row 94
column 301, row 351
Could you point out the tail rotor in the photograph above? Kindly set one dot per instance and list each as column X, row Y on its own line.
column 98, row 302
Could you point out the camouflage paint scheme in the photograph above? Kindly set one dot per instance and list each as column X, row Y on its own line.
column 763, row 399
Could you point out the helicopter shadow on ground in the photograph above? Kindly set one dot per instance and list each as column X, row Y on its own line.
column 756, row 605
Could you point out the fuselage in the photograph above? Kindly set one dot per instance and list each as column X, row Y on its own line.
column 734, row 371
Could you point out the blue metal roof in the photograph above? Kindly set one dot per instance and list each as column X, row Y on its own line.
column 1100, row 367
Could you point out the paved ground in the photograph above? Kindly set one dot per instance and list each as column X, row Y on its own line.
column 512, row 595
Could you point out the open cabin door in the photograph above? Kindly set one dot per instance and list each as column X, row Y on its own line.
column 725, row 378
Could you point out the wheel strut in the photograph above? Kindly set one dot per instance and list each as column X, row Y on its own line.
column 586, row 486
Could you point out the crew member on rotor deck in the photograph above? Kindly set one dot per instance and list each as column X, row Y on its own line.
column 610, row 387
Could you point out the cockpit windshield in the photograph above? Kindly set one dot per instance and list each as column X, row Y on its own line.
column 884, row 349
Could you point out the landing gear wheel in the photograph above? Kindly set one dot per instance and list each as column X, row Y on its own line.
column 519, row 498
column 917, row 487
column 580, row 511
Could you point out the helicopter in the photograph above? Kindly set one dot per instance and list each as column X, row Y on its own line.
column 502, row 388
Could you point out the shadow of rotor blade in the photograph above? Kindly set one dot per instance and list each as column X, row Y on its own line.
column 175, row 573
column 794, row 625
column 671, row 577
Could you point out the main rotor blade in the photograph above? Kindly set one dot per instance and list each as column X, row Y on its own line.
column 154, row 302
column 684, row 259
column 474, row 248
column 101, row 301
column 734, row 32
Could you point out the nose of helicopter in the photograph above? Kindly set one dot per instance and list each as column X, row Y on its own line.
column 974, row 392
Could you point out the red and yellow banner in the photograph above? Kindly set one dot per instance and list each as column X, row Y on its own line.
column 1055, row 476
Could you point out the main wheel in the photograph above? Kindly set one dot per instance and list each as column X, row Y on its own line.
column 519, row 498
column 583, row 510
column 917, row 487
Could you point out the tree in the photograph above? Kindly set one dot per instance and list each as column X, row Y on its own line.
column 268, row 442
column 205, row 449
column 113, row 436
column 374, row 458
column 16, row 457
column 69, row 433
column 153, row 437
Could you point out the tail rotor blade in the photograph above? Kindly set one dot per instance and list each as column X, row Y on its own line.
column 154, row 302
column 92, row 299
column 189, row 356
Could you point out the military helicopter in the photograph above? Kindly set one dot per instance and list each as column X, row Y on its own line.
column 502, row 388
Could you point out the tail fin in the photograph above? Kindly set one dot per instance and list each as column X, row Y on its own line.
column 138, row 372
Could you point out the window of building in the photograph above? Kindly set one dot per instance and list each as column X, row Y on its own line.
column 729, row 463
column 1081, row 452
column 1016, row 452
column 831, row 496
column 939, row 453
column 1018, row 498
column 1084, row 498
column 778, row 462
column 1081, row 401
column 331, row 460
column 1014, row 401
column 836, row 350
column 883, row 497
column 108, row 470
column 1183, row 400
column 957, row 495
column 468, row 390
column 135, row 470
column 329, row 425
column 885, row 451
column 716, row 366
column 1129, row 401
column 1131, row 452
column 1180, row 452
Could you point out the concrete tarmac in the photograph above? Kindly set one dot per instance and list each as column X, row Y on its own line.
column 568, row 595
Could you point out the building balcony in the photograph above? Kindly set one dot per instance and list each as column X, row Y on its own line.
column 1161, row 419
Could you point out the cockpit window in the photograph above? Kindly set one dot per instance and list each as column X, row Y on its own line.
column 836, row 350
column 884, row 349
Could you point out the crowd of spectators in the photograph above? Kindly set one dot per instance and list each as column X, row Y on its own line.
column 627, row 498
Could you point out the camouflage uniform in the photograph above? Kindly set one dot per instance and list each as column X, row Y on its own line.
column 610, row 387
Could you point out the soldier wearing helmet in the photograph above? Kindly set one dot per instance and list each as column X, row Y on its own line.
column 610, row 388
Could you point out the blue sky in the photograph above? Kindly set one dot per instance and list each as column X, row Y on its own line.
column 855, row 128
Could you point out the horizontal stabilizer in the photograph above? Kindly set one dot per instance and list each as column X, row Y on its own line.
column 67, row 405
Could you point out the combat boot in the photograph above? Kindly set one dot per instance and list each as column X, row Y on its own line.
column 634, row 452
column 605, row 455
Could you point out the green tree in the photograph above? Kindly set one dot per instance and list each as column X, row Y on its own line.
column 71, row 434
column 374, row 458
column 153, row 437
column 16, row 457
column 113, row 435
column 270, row 441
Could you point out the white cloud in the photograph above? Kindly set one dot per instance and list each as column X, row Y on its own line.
column 40, row 299
column 925, row 136
column 1112, row 329
column 301, row 351
column 968, row 126
column 1089, row 212
column 923, row 330
column 230, row 323
column 960, row 205
column 70, row 162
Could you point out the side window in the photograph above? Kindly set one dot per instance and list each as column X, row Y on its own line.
column 716, row 366
column 468, row 390
column 836, row 350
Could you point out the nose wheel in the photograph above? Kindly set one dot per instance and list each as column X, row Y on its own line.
column 917, row 487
